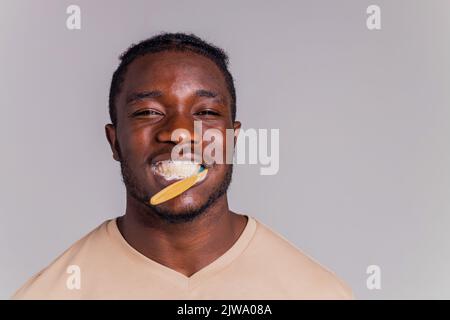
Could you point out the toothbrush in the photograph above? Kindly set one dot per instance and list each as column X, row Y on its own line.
column 178, row 187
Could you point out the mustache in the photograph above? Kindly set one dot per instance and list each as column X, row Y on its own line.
column 167, row 154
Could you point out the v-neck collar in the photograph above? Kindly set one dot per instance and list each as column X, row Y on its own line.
column 177, row 277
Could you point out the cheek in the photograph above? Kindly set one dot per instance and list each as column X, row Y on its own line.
column 214, row 177
column 216, row 145
column 134, row 144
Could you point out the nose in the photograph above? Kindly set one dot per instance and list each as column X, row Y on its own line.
column 178, row 128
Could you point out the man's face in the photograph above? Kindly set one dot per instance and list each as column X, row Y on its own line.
column 163, row 92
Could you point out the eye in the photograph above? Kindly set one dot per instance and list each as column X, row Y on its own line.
column 147, row 112
column 207, row 113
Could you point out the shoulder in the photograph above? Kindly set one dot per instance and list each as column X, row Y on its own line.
column 298, row 272
column 51, row 282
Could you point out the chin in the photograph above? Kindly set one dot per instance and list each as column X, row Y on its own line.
column 180, row 205
column 178, row 213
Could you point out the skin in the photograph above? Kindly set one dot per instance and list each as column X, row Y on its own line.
column 143, row 133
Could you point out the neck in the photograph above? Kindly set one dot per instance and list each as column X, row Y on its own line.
column 184, row 247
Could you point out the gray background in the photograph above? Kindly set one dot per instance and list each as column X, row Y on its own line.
column 364, row 121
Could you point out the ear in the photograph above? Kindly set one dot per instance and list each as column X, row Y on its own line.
column 237, row 128
column 110, row 131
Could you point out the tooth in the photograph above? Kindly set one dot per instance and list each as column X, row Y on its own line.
column 176, row 169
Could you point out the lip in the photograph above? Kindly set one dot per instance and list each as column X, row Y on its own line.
column 164, row 183
column 187, row 157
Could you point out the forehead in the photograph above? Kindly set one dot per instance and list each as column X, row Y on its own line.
column 174, row 72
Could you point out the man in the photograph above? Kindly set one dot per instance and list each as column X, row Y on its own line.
column 190, row 246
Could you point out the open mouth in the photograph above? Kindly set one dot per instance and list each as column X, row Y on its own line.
column 177, row 169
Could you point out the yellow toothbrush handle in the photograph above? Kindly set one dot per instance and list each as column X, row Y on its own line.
column 176, row 188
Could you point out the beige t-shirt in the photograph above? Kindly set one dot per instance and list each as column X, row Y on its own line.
column 261, row 264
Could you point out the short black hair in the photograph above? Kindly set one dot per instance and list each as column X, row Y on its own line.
column 170, row 42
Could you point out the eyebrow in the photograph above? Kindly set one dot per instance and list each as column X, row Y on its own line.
column 209, row 94
column 135, row 96
column 143, row 95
